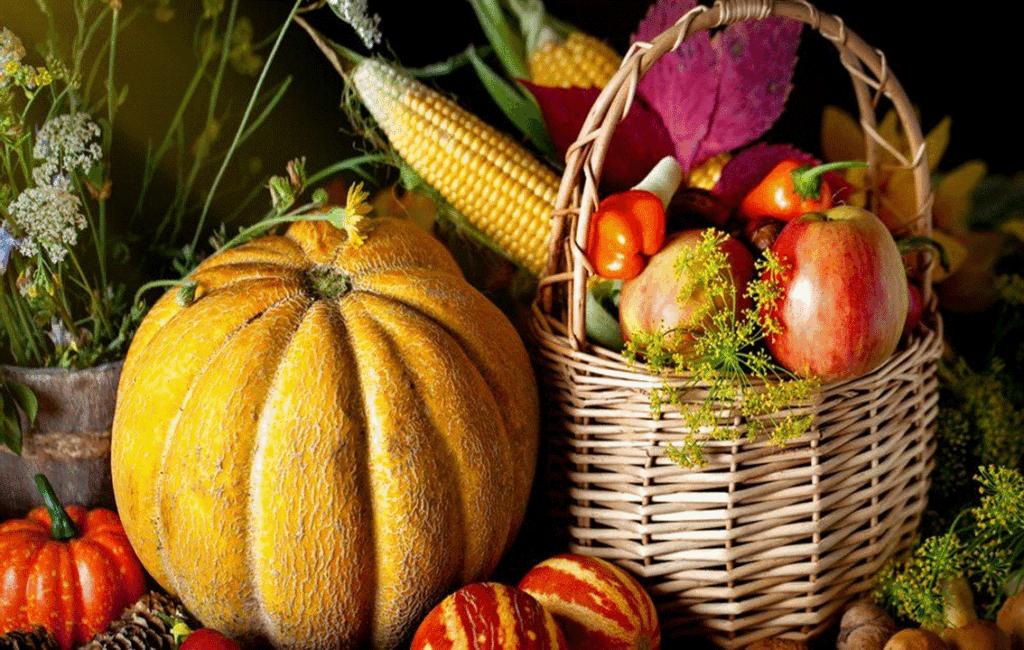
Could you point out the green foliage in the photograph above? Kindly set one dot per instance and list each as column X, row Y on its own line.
column 984, row 545
column 16, row 400
column 980, row 423
column 724, row 358
column 69, row 260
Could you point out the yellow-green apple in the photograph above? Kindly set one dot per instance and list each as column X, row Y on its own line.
column 667, row 300
column 843, row 301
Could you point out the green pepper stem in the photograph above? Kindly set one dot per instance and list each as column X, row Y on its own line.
column 61, row 528
column 807, row 180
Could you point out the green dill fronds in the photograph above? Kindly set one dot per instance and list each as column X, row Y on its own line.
column 914, row 587
column 984, row 546
column 766, row 290
column 985, row 398
column 732, row 387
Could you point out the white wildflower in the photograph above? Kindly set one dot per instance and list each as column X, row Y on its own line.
column 60, row 334
column 65, row 144
column 356, row 14
column 50, row 217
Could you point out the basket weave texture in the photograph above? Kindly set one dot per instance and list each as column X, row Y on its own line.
column 761, row 541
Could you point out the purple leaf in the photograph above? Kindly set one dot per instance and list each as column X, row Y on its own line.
column 757, row 60
column 638, row 143
column 682, row 86
column 715, row 94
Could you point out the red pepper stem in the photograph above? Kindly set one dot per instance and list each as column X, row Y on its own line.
column 807, row 180
column 61, row 528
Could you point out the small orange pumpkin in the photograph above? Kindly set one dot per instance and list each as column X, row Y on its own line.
column 70, row 570
column 327, row 439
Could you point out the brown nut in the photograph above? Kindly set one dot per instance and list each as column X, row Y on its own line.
column 864, row 626
column 694, row 207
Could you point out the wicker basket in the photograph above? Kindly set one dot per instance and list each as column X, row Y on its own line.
column 761, row 541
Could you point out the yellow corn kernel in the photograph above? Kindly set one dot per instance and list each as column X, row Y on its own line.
column 706, row 174
column 503, row 191
column 580, row 60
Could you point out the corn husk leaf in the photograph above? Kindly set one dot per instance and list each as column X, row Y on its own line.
column 517, row 106
column 507, row 40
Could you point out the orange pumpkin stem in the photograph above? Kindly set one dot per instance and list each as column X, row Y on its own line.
column 61, row 526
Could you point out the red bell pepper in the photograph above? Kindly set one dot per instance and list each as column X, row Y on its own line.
column 626, row 229
column 791, row 189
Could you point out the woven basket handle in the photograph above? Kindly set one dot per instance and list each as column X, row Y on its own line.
column 578, row 193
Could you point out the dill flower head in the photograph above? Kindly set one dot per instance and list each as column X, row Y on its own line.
column 1002, row 502
column 65, row 144
column 50, row 217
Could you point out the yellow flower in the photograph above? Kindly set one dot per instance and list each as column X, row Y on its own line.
column 843, row 139
column 356, row 209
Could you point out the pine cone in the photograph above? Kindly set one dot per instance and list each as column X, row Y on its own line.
column 37, row 639
column 146, row 625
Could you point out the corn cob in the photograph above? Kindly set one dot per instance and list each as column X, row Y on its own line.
column 706, row 174
column 501, row 189
column 579, row 60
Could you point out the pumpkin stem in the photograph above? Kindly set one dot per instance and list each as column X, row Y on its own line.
column 62, row 528
column 328, row 283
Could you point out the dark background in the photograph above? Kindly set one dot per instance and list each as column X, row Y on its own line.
column 961, row 63
column 950, row 63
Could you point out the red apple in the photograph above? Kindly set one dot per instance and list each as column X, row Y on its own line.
column 664, row 300
column 914, row 308
column 844, row 295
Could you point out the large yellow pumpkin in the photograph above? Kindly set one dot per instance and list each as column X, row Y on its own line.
column 327, row 440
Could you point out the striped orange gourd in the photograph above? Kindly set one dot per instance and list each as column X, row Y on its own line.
column 489, row 616
column 596, row 603
column 579, row 60
column 502, row 189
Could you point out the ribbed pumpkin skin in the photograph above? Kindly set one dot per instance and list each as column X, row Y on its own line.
column 598, row 605
column 488, row 616
column 318, row 472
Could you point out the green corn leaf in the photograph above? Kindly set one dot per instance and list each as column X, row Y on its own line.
column 506, row 40
column 517, row 106
column 449, row 65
